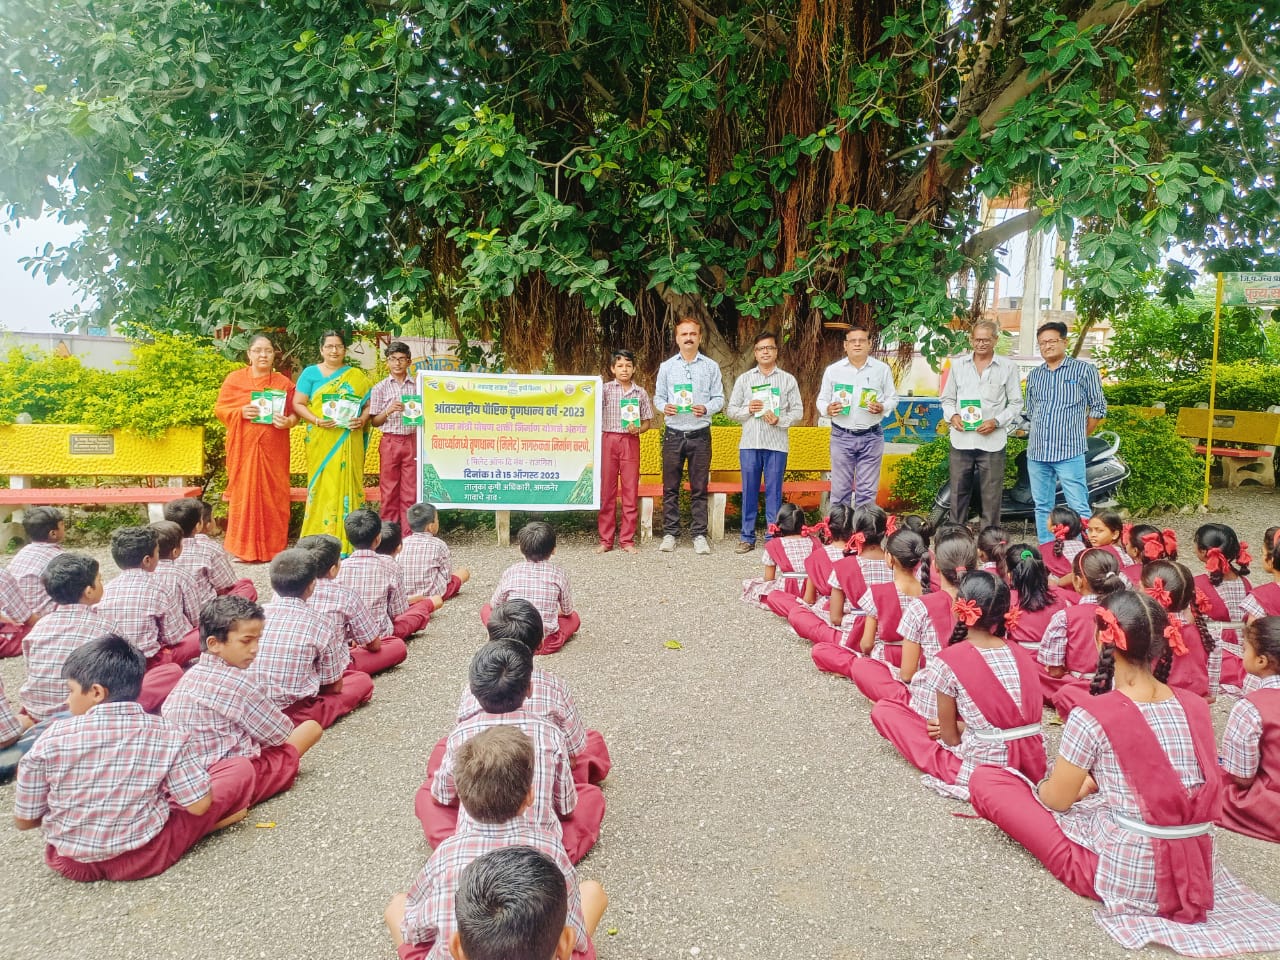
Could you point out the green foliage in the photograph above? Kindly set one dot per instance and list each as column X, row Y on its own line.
column 50, row 388
column 1163, row 471
column 1245, row 385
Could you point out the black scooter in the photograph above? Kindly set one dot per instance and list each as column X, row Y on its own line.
column 1103, row 473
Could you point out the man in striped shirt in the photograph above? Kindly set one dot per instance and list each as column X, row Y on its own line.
column 766, row 400
column 1064, row 405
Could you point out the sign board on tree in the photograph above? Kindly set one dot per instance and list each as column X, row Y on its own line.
column 1251, row 289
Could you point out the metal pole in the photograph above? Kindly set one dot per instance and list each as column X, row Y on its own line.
column 1213, row 387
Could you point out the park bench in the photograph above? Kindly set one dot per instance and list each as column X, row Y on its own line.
column 30, row 450
column 1254, row 435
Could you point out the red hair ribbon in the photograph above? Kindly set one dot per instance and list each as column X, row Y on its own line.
column 1203, row 603
column 1060, row 531
column 1125, row 530
column 967, row 611
column 820, row 528
column 772, row 529
column 1244, row 558
column 961, row 569
column 1173, row 636
column 1111, row 633
column 857, row 541
column 1152, row 548
column 1215, row 561
column 1275, row 541
column 891, row 524
column 1012, row 617
column 1170, row 541
column 1159, row 593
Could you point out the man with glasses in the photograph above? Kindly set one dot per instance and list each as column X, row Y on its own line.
column 983, row 396
column 766, row 400
column 1064, row 405
column 857, row 393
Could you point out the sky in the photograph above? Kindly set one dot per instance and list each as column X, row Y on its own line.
column 27, row 302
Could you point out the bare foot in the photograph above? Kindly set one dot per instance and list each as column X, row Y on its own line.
column 630, row 548
column 437, row 602
column 604, row 548
column 233, row 818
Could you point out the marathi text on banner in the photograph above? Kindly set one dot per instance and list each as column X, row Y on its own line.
column 1251, row 289
column 510, row 442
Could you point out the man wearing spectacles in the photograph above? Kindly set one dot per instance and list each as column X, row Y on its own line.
column 1064, row 405
column 857, row 393
column 981, row 399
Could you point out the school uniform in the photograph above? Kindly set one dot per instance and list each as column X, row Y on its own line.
column 300, row 652
column 425, row 562
column 1060, row 566
column 102, row 783
column 27, row 567
column 620, row 463
column 1251, row 748
column 817, row 568
column 14, row 606
column 206, row 561
column 397, row 449
column 10, row 727
column 226, row 713
column 1155, row 767
column 1225, row 603
column 926, row 621
column 1026, row 627
column 356, row 625
column 149, row 619
column 1263, row 601
column 1069, row 641
column 1194, row 671
column 173, row 581
column 562, row 807
column 59, row 633
column 787, row 556
column 545, row 585
column 378, row 582
column 878, row 674
column 851, row 575
column 429, row 921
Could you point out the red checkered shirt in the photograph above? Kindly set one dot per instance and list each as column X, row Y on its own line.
column 1241, row 741
column 102, row 781
column 350, row 617
column 428, row 910
column 300, row 652
column 1053, row 647
column 46, row 648
column 26, row 567
column 424, row 562
column 611, row 410
column 10, row 728
column 543, row 584
column 208, row 563
column 384, row 393
column 550, row 698
column 12, row 603
column 554, row 792
column 173, row 581
column 377, row 580
column 225, row 711
column 147, row 618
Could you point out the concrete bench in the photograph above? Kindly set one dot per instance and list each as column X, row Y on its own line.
column 1255, row 436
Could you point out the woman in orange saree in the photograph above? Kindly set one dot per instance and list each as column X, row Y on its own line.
column 257, row 456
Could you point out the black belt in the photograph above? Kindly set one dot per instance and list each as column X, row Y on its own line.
column 700, row 432
column 856, row 433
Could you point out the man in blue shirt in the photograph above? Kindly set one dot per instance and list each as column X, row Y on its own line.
column 689, row 390
column 1064, row 404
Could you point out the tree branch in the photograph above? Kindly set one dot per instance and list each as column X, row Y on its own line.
column 707, row 17
column 984, row 241
column 1257, row 64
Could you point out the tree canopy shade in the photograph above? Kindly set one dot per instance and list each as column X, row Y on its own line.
column 568, row 176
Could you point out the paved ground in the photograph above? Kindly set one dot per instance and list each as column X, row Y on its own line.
column 753, row 811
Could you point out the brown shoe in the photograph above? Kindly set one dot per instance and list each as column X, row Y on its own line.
column 744, row 547
column 604, row 548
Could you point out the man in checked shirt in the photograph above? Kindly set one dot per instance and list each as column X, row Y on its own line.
column 398, row 448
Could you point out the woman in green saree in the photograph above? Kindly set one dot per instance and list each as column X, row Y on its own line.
column 331, row 398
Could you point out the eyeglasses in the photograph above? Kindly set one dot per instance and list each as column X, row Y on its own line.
column 1050, row 343
column 860, row 342
column 982, row 340
column 766, row 348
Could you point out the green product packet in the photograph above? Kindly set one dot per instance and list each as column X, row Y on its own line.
column 270, row 404
column 412, row 415
column 971, row 414
column 682, row 396
column 629, row 411
column 769, row 395
column 843, row 394
column 866, row 397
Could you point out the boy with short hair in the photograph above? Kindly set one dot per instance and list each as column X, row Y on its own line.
column 45, row 528
column 227, row 712
column 149, row 619
column 398, row 447
column 302, row 660
column 620, row 451
column 201, row 556
column 391, row 540
column 172, row 580
column 542, row 583
column 378, row 581
column 549, row 696
column 370, row 651
column 16, row 616
column 495, row 786
column 500, row 677
column 120, row 795
column 424, row 557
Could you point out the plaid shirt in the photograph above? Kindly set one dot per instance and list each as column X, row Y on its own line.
column 350, row 617
column 376, row 580
column 428, row 910
column 10, row 728
column 424, row 564
column 1053, row 648
column 554, row 792
column 147, row 618
column 225, row 712
column 12, row 603
column 1242, row 738
column 917, row 627
column 102, row 781
column 46, row 648
column 383, row 394
column 611, row 409
column 208, row 563
column 550, row 698
column 543, row 584
column 173, row 581
column 26, row 567
column 300, row 652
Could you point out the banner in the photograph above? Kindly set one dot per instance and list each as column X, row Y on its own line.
column 1251, row 289
column 510, row 442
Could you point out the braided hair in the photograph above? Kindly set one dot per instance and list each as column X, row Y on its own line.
column 917, row 525
column 991, row 594
column 955, row 555
column 1100, row 569
column 1181, row 585
column 1143, row 622
column 1030, row 577
column 1219, row 535
column 993, row 543
column 869, row 521
column 910, row 552
column 840, row 523
column 1065, row 517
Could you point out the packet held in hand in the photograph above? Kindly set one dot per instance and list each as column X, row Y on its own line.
column 842, row 393
column 270, row 404
column 629, row 412
column 768, row 395
column 682, row 397
column 412, row 414
column 866, row 397
column 340, row 408
column 970, row 414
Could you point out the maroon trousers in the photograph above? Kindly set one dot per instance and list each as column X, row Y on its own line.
column 398, row 477
column 593, row 764
column 909, row 733
column 326, row 708
column 619, row 466
column 390, row 654
column 412, row 620
column 566, row 627
column 158, row 682
column 242, row 588
column 11, row 635
column 274, row 770
column 232, row 785
column 452, row 588
column 875, row 680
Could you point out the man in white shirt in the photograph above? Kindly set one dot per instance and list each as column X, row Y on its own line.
column 981, row 399
column 857, row 393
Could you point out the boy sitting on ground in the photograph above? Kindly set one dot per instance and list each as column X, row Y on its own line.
column 45, row 529
column 424, row 557
column 542, row 583
column 202, row 556
column 148, row 618
column 378, row 581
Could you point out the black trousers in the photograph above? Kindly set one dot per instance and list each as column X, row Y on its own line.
column 678, row 448
column 983, row 469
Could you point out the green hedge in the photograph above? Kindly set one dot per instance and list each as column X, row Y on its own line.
column 1250, row 385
